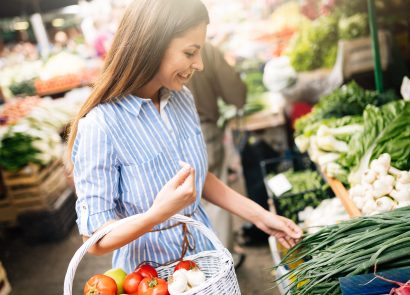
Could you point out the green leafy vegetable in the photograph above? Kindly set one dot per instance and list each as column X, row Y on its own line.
column 16, row 151
column 308, row 189
column 349, row 248
column 353, row 27
column 310, row 48
column 350, row 99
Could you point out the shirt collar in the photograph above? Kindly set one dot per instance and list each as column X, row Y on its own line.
column 133, row 103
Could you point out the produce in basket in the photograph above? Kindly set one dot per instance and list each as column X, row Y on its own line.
column 153, row 286
column 100, row 285
column 216, row 264
column 146, row 271
column 186, row 275
column 118, row 275
column 185, row 264
column 178, row 282
column 132, row 282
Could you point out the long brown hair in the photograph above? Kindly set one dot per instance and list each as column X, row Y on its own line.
column 147, row 28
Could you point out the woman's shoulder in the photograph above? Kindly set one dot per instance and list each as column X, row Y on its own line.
column 101, row 115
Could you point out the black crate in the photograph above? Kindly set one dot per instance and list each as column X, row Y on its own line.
column 289, row 204
column 50, row 225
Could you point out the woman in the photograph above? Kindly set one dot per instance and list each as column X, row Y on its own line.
column 129, row 136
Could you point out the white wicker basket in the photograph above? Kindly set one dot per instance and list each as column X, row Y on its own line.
column 216, row 264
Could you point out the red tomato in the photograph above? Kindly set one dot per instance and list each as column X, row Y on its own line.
column 153, row 286
column 146, row 271
column 100, row 285
column 131, row 283
column 185, row 264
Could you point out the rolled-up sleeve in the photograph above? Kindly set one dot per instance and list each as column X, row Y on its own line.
column 96, row 176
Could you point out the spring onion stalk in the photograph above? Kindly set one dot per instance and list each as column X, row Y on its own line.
column 349, row 248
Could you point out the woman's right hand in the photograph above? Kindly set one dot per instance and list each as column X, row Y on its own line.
column 176, row 194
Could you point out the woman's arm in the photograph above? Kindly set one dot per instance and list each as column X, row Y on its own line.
column 177, row 193
column 216, row 192
column 132, row 230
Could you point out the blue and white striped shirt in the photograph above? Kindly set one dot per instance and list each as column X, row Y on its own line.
column 124, row 153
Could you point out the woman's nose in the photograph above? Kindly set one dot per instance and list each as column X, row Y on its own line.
column 198, row 65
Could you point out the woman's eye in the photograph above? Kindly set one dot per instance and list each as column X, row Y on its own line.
column 189, row 54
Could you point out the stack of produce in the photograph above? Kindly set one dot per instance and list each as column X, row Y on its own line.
column 382, row 188
column 35, row 138
column 335, row 133
column 329, row 212
column 386, row 130
column 145, row 280
column 22, row 144
column 315, row 46
column 349, row 248
column 18, row 108
column 307, row 189
column 348, row 100
column 327, row 140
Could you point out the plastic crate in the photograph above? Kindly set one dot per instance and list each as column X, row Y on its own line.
column 52, row 224
column 284, row 204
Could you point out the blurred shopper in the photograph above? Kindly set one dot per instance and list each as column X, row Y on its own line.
column 129, row 136
column 217, row 80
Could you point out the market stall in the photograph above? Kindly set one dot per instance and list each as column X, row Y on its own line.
column 318, row 144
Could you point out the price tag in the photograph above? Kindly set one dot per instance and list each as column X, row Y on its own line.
column 279, row 185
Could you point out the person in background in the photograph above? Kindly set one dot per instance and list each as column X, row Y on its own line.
column 130, row 135
column 218, row 80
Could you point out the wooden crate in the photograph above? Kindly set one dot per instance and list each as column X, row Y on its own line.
column 35, row 187
column 8, row 213
column 342, row 193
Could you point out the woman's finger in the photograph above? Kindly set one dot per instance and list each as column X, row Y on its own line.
column 284, row 242
column 181, row 176
column 189, row 182
column 291, row 229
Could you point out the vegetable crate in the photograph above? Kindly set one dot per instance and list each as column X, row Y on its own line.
column 8, row 212
column 293, row 183
column 35, row 187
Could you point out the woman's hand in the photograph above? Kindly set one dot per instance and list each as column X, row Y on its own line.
column 177, row 193
column 284, row 229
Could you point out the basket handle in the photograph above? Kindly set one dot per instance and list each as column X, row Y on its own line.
column 79, row 254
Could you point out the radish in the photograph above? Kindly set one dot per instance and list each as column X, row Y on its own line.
column 403, row 290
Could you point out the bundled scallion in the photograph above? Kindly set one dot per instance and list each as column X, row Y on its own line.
column 349, row 248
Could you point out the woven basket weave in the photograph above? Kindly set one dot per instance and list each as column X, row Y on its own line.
column 216, row 264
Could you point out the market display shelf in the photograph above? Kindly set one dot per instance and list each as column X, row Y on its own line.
column 342, row 193
column 281, row 270
column 257, row 121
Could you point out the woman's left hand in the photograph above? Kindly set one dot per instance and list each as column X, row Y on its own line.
column 282, row 228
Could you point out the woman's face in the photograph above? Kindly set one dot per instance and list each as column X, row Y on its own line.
column 182, row 58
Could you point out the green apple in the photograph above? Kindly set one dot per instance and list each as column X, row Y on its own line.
column 118, row 275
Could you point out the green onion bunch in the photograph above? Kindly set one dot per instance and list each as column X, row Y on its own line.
column 349, row 248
